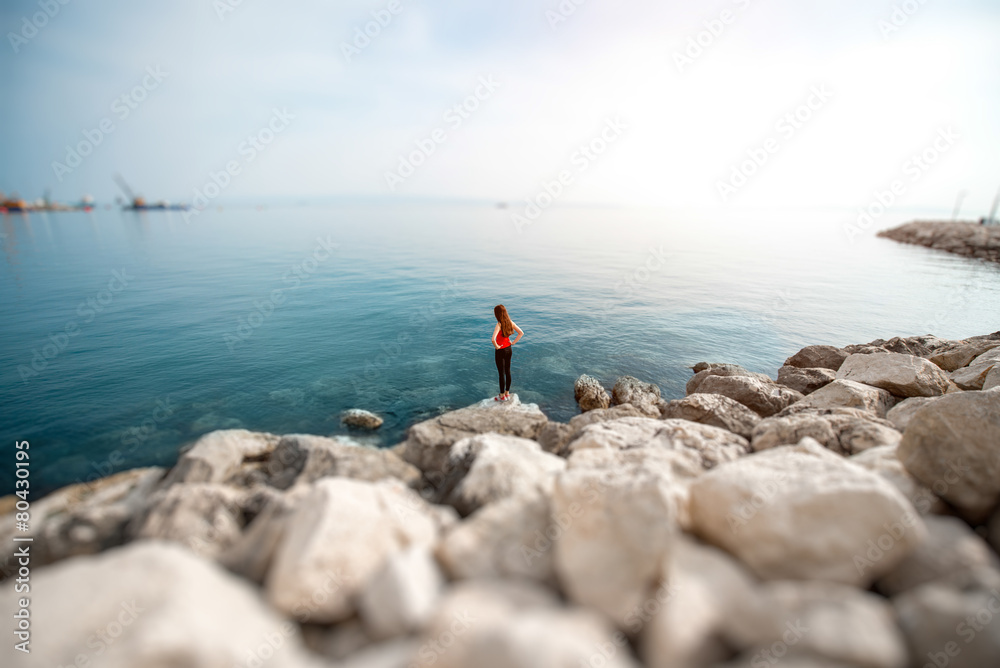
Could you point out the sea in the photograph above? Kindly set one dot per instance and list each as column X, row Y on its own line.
column 127, row 335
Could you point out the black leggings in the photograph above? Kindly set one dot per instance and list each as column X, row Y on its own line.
column 502, row 356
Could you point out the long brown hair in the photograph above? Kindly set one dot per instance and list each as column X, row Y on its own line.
column 506, row 326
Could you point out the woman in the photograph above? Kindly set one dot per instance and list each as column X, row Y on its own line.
column 502, row 348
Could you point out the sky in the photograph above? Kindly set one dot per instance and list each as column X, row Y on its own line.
column 730, row 103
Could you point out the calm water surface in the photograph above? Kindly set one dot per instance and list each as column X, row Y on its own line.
column 128, row 335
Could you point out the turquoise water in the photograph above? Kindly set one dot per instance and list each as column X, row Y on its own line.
column 128, row 335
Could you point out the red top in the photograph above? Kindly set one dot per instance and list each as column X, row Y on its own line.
column 502, row 341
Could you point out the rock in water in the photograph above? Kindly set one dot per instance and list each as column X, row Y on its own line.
column 428, row 443
column 902, row 375
column 644, row 396
column 951, row 446
column 362, row 419
column 805, row 381
column 152, row 604
column 339, row 537
column 818, row 357
column 590, row 394
column 764, row 398
column 714, row 410
column 803, row 512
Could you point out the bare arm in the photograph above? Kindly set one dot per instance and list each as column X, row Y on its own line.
column 520, row 333
column 496, row 330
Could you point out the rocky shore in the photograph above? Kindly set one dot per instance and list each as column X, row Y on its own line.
column 845, row 514
column 966, row 239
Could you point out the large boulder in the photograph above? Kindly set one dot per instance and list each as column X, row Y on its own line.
column 401, row 597
column 971, row 377
column 764, row 398
column 505, row 623
column 85, row 518
column 150, row 604
column 901, row 414
column 951, row 446
column 644, row 396
column 703, row 370
column 590, row 394
column 676, row 469
column 555, row 437
column 847, row 394
column 951, row 548
column 803, row 512
column 428, row 443
column 302, row 459
column 251, row 554
column 818, row 357
column 339, row 536
column 618, row 528
column 992, row 380
column 707, row 445
column 902, row 375
column 488, row 467
column 707, row 606
column 806, row 380
column 714, row 410
column 883, row 461
column 960, row 353
column 834, row 621
column 846, row 431
column 953, row 624
column 510, row 538
column 217, row 456
column 206, row 518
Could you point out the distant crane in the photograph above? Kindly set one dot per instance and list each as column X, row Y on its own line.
column 992, row 218
column 138, row 202
column 958, row 204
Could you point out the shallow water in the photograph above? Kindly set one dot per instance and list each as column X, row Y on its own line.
column 241, row 318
